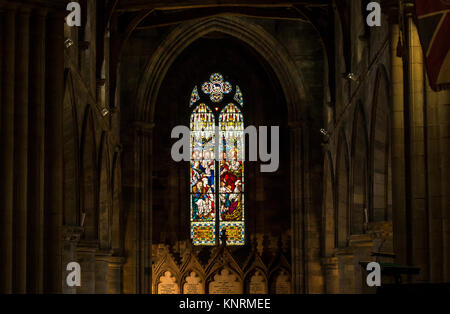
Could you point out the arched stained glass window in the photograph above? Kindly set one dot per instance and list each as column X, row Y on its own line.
column 208, row 186
column 202, row 176
column 231, row 197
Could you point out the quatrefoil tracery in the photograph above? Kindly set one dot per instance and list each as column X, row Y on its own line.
column 216, row 87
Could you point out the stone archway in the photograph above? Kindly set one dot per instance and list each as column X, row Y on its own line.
column 253, row 35
column 292, row 85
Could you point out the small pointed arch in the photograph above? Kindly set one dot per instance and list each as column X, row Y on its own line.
column 89, row 175
column 280, row 279
column 221, row 265
column 166, row 269
column 359, row 164
column 238, row 97
column 255, row 271
column 256, row 281
column 341, row 205
column 192, row 277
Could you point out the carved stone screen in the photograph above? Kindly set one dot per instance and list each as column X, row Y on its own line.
column 193, row 284
column 168, row 284
column 257, row 283
column 225, row 282
column 282, row 283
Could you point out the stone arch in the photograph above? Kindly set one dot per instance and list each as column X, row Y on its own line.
column 173, row 287
column 224, row 273
column 280, row 281
column 328, row 208
column 341, row 206
column 255, row 36
column 358, row 185
column 89, row 214
column 248, row 276
column 380, row 148
column 187, row 273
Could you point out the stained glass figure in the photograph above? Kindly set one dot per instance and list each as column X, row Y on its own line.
column 194, row 96
column 238, row 96
column 216, row 87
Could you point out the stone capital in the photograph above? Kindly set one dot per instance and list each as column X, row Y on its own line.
column 380, row 230
column 344, row 252
column 86, row 246
column 72, row 233
column 103, row 255
column 116, row 261
column 360, row 240
column 330, row 262
column 144, row 128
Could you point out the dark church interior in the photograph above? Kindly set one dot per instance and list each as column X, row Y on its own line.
column 355, row 96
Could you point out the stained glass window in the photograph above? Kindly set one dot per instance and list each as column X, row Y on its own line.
column 194, row 96
column 216, row 87
column 202, row 176
column 211, row 189
column 231, row 197
column 238, row 96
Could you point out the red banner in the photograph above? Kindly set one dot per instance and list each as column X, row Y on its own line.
column 434, row 31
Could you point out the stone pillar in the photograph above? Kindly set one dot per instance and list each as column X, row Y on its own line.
column 115, row 274
column 398, row 150
column 101, row 272
column 362, row 247
column 297, row 210
column 54, row 153
column 137, row 267
column 419, row 193
column 382, row 238
column 71, row 237
column 7, row 144
column 21, row 152
column 86, row 258
column 444, row 151
column 330, row 266
column 346, row 269
column 437, row 139
column 35, row 250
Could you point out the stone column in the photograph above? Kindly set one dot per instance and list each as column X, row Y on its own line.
column 7, row 144
column 297, row 210
column 35, row 250
column 330, row 266
column 71, row 237
column 54, row 153
column 346, row 269
column 115, row 274
column 444, row 151
column 86, row 258
column 101, row 272
column 137, row 267
column 362, row 247
column 398, row 150
column 419, row 189
column 21, row 151
column 382, row 238
column 144, row 140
